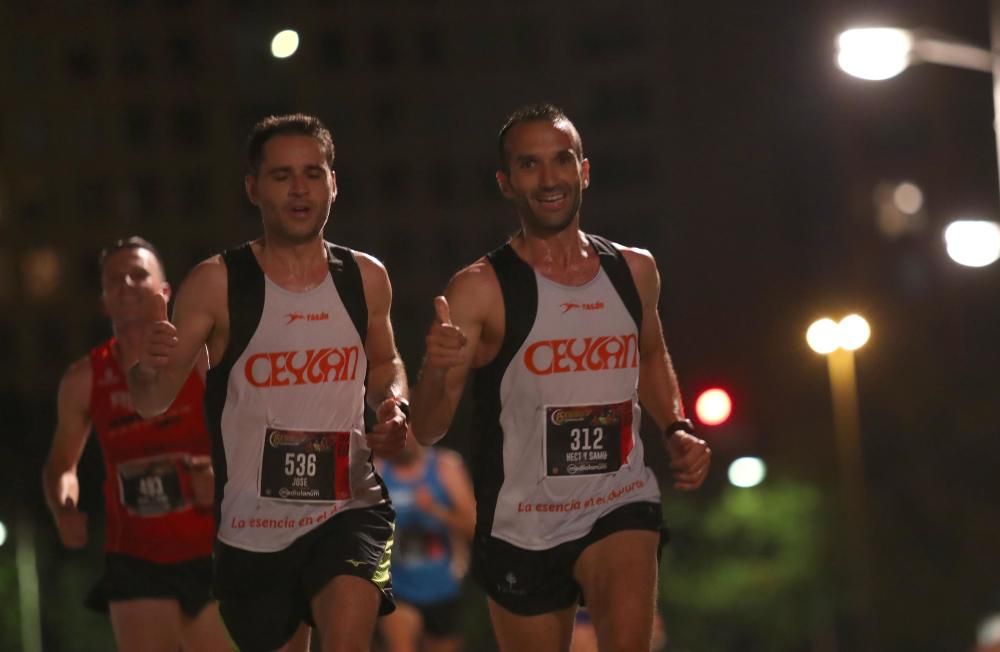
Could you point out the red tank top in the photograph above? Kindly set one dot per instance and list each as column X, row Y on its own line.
column 147, row 490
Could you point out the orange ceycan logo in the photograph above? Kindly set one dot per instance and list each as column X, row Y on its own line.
column 582, row 354
column 312, row 316
column 566, row 307
column 311, row 367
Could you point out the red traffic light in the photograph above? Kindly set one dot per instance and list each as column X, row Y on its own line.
column 713, row 406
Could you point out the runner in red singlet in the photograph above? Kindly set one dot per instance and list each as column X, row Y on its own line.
column 158, row 488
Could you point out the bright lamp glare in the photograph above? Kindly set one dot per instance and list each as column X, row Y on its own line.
column 908, row 198
column 3, row 534
column 823, row 336
column 713, row 407
column 973, row 243
column 747, row 472
column 284, row 44
column 874, row 53
column 854, row 332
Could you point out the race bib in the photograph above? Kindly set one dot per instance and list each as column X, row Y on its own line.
column 305, row 466
column 153, row 486
column 587, row 439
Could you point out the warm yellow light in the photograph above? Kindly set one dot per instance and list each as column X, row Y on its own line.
column 284, row 44
column 713, row 406
column 874, row 53
column 854, row 332
column 973, row 243
column 823, row 336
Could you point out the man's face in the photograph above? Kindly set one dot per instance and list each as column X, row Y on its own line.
column 547, row 177
column 130, row 278
column 294, row 189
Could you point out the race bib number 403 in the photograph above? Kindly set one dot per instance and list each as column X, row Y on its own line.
column 305, row 466
column 153, row 486
column 587, row 439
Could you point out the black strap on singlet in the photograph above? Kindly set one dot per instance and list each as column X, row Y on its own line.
column 620, row 275
column 347, row 278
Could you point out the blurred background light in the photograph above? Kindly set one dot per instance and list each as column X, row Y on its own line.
column 823, row 336
column 284, row 44
column 854, row 332
column 746, row 472
column 713, row 406
column 908, row 198
column 973, row 243
column 874, row 53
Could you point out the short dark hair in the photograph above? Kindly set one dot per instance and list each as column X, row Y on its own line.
column 132, row 242
column 296, row 124
column 543, row 112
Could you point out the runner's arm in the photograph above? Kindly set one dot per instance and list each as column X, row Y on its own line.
column 690, row 457
column 60, row 483
column 452, row 342
column 159, row 364
column 386, row 373
column 659, row 392
column 461, row 518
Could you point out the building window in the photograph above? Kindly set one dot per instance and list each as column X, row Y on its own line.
column 332, row 50
column 620, row 102
column 94, row 197
column 393, row 182
column 387, row 113
column 187, row 127
column 442, row 181
column 146, row 194
column 431, row 47
column 133, row 61
column 382, row 49
column 607, row 41
column 183, row 58
column 138, row 127
column 194, row 196
column 81, row 62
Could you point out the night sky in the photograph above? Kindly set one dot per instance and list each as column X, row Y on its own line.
column 722, row 137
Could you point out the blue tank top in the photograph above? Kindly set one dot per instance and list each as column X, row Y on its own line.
column 422, row 553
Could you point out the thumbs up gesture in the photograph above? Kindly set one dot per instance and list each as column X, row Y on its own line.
column 148, row 342
column 446, row 343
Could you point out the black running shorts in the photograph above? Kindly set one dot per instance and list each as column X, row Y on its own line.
column 264, row 596
column 532, row 582
column 131, row 578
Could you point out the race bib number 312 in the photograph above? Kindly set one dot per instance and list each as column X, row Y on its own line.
column 587, row 439
column 306, row 466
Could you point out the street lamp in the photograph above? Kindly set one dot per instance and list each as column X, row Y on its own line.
column 877, row 53
column 838, row 341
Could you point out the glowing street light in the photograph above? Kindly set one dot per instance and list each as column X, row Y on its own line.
column 878, row 53
column 747, row 472
column 826, row 336
column 874, row 53
column 284, row 44
column 973, row 243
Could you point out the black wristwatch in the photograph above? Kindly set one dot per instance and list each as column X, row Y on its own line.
column 404, row 406
column 683, row 424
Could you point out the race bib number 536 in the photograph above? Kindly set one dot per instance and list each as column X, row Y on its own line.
column 587, row 439
column 305, row 466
